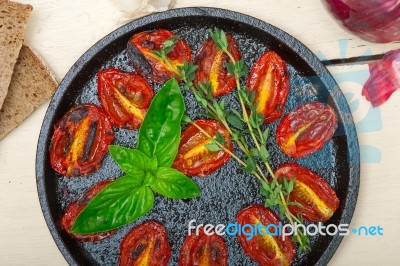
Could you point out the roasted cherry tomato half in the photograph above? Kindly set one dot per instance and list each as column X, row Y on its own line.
column 125, row 97
column 140, row 51
column 306, row 129
column 75, row 208
column 265, row 249
column 212, row 66
column 145, row 245
column 194, row 158
column 269, row 78
column 319, row 201
column 203, row 250
column 80, row 141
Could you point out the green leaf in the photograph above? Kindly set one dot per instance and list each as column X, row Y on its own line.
column 243, row 95
column 219, row 138
column 160, row 54
column 235, row 112
column 235, row 121
column 251, row 165
column 188, row 72
column 212, row 147
column 186, row 119
column 222, row 104
column 265, row 134
column 219, row 38
column 152, row 165
column 231, row 68
column 254, row 152
column 291, row 185
column 173, row 184
column 169, row 44
column 159, row 135
column 218, row 109
column 264, row 154
column 132, row 161
column 149, row 179
column 118, row 204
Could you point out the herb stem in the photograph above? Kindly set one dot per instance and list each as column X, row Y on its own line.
column 173, row 68
column 222, row 147
column 244, row 111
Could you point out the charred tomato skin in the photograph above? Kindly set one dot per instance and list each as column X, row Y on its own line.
column 265, row 250
column 193, row 158
column 203, row 250
column 140, row 51
column 125, row 97
column 306, row 129
column 146, row 244
column 269, row 78
column 318, row 199
column 80, row 141
column 75, row 208
column 212, row 66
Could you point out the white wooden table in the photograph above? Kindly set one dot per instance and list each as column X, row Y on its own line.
column 61, row 30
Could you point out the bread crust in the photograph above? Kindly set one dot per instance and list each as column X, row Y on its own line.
column 31, row 85
column 13, row 20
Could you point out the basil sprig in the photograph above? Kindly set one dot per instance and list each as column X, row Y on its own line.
column 147, row 168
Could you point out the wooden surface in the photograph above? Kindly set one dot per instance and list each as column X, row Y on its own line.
column 61, row 30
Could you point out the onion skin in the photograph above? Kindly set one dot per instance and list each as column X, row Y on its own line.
column 384, row 78
column 372, row 20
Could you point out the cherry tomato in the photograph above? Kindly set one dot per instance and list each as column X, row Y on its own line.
column 319, row 200
column 306, row 129
column 264, row 249
column 212, row 66
column 80, row 141
column 145, row 245
column 75, row 208
column 125, row 97
column 269, row 78
column 203, row 250
column 194, row 158
column 141, row 48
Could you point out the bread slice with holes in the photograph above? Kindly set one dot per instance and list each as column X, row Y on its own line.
column 32, row 84
column 13, row 19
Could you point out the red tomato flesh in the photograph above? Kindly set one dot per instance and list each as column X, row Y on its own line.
column 194, row 158
column 212, row 66
column 145, row 245
column 269, row 78
column 306, row 129
column 203, row 250
column 141, row 48
column 75, row 208
column 80, row 141
column 124, row 96
column 319, row 200
column 264, row 249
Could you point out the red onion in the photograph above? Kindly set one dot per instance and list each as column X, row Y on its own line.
column 372, row 20
column 384, row 78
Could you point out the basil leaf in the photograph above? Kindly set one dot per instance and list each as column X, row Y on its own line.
column 132, row 161
column 160, row 132
column 118, row 204
column 175, row 185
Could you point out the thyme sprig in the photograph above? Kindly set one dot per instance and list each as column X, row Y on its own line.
column 167, row 47
column 248, row 121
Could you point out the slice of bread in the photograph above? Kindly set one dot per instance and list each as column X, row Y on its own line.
column 31, row 85
column 13, row 19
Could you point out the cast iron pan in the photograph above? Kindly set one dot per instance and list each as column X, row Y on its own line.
column 229, row 189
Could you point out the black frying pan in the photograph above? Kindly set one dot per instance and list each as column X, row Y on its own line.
column 229, row 189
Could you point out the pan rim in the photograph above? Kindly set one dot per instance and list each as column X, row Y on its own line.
column 300, row 49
